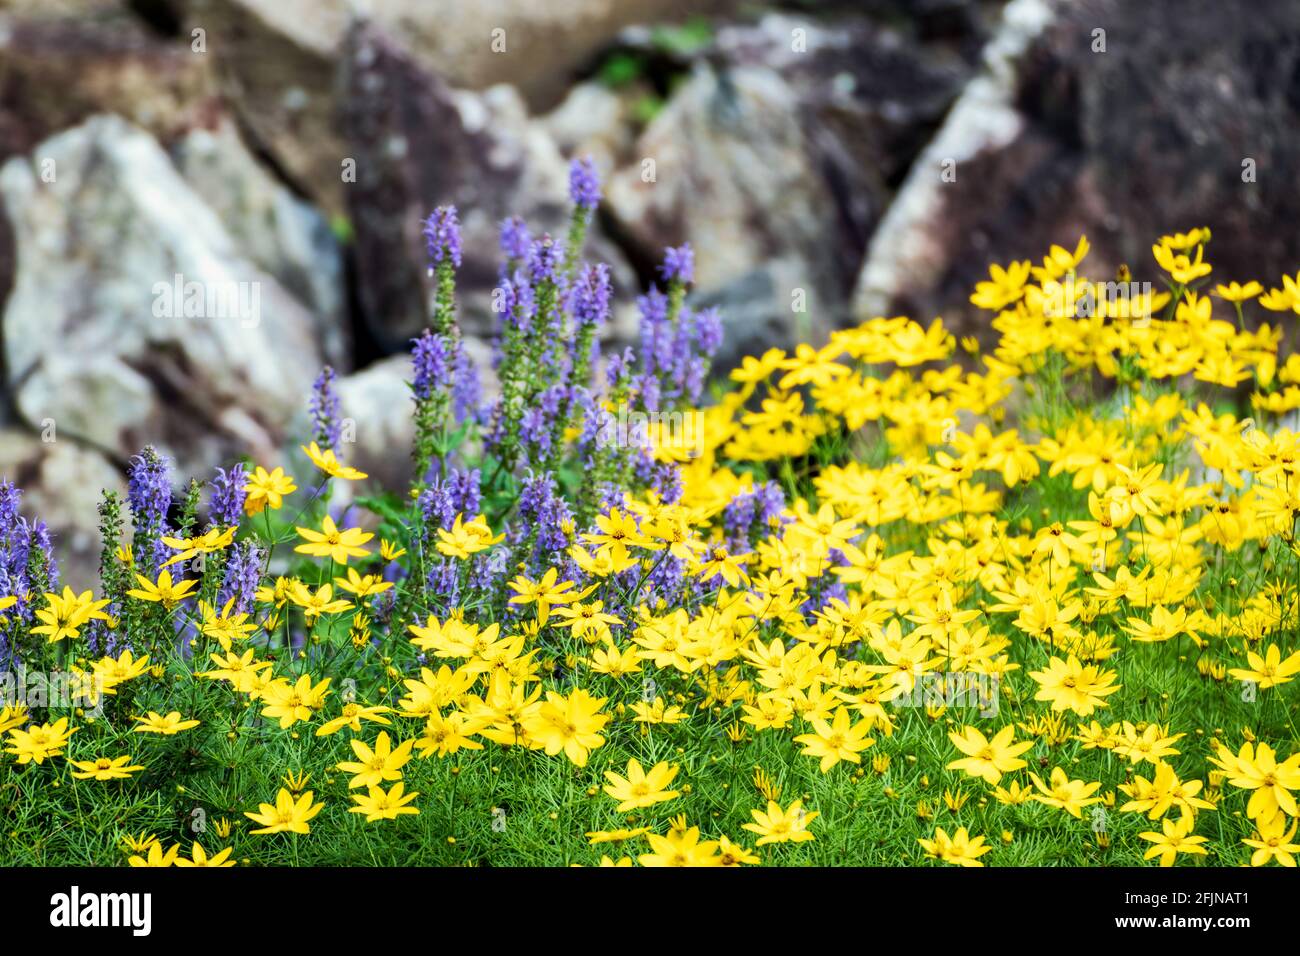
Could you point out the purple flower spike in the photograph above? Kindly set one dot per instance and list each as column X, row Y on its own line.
column 442, row 236
column 584, row 183
column 679, row 264
column 515, row 238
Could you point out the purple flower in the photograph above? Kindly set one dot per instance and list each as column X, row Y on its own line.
column 542, row 513
column 591, row 296
column 436, row 505
column 442, row 236
column 227, row 496
column 465, row 391
column 584, row 183
column 679, row 264
column 9, row 502
column 544, row 260
column 243, row 571
column 444, row 581
column 326, row 409
column 463, row 487
column 432, row 365
column 515, row 238
column 149, row 494
column 656, row 332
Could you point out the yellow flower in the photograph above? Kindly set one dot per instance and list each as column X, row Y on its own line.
column 328, row 463
column 363, row 585
column 467, row 538
column 287, row 814
column 545, row 593
column 104, row 768
column 373, row 767
column 1068, row 795
column 63, row 616
column 1175, row 837
column 378, row 805
column 330, row 542
column 988, row 759
column 680, row 848
column 1181, row 267
column 37, row 743
column 198, row 857
column 168, row 726
column 1272, row 841
column 156, row 857
column 289, row 703
column 961, row 849
column 639, row 788
column 318, row 602
column 209, row 541
column 267, row 489
column 1270, row 670
column 569, row 724
column 836, row 740
column 782, row 826
column 1233, row 292
column 166, row 592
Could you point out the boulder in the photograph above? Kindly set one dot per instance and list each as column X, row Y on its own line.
column 1086, row 118
column 135, row 317
column 61, row 63
column 775, row 159
column 281, row 233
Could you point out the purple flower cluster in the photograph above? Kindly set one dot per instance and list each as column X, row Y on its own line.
column 675, row 351
column 442, row 236
column 431, row 363
column 465, row 390
column 751, row 515
column 542, row 513
column 149, row 494
column 679, row 264
column 326, row 410
column 584, row 184
column 515, row 239
column 25, row 549
column 228, row 496
column 545, row 257
column 243, row 569
column 591, row 297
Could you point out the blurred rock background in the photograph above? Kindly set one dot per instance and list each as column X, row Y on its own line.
column 295, row 145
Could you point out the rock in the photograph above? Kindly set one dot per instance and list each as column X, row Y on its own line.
column 420, row 144
column 278, row 59
column 276, row 63
column 378, row 403
column 595, row 121
column 62, row 482
column 1053, row 140
column 96, row 333
column 279, row 232
column 775, row 161
column 62, row 63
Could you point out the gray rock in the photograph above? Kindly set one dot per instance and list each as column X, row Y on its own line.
column 96, row 338
column 775, row 160
column 1054, row 140
column 61, row 63
column 281, row 233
